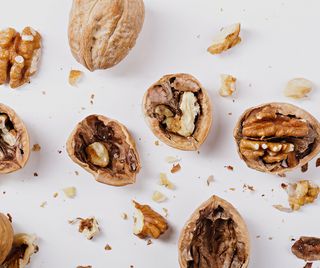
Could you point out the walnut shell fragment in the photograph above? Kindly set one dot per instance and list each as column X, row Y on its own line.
column 14, row 141
column 214, row 236
column 178, row 111
column 307, row 248
column 277, row 137
column 147, row 222
column 105, row 148
column 24, row 246
column 6, row 237
column 101, row 33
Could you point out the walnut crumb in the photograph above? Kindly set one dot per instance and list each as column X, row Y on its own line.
column 74, row 77
column 89, row 226
column 9, row 217
column 36, row 147
column 229, row 168
column 248, row 187
column 107, row 247
column 318, row 162
column 175, row 168
column 43, row 204
column 157, row 143
column 55, row 194
column 158, row 197
column 35, row 174
column 124, row 216
column 149, row 242
column 164, row 181
column 70, row 192
column 304, row 168
column 210, row 180
column 172, row 159
column 166, row 213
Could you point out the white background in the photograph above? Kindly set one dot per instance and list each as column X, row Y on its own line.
column 280, row 42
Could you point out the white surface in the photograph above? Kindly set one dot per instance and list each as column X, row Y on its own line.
column 280, row 42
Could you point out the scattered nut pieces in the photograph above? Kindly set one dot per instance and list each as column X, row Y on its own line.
column 298, row 88
column 124, row 216
column 36, row 147
column 158, row 197
column 70, row 192
column 227, row 38
column 228, row 85
column 164, row 181
column 147, row 222
column 74, row 77
column 307, row 248
column 282, row 208
column 107, row 247
column 301, row 193
column 175, row 168
column 210, row 180
column 89, row 226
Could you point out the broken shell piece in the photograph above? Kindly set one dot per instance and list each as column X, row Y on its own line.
column 89, row 227
column 307, row 248
column 277, row 137
column 23, row 247
column 228, row 85
column 105, row 148
column 14, row 141
column 226, row 39
column 178, row 111
column 298, row 88
column 147, row 222
column 74, row 77
column 214, row 236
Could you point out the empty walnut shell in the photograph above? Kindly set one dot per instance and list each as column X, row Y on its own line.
column 214, row 236
column 14, row 141
column 101, row 33
column 178, row 111
column 6, row 237
column 105, row 148
column 277, row 137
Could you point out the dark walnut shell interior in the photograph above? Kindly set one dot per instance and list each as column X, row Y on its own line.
column 169, row 93
column 214, row 236
column 14, row 141
column 277, row 137
column 124, row 163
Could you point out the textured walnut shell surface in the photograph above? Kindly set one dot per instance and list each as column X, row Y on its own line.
column 182, row 83
column 6, row 237
column 19, row 153
column 102, row 32
column 124, row 158
column 230, row 245
column 283, row 109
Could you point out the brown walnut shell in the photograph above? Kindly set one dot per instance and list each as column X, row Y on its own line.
column 214, row 236
column 6, row 237
column 277, row 137
column 101, row 33
column 168, row 93
column 14, row 141
column 123, row 159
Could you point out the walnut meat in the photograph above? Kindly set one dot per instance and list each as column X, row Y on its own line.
column 105, row 148
column 178, row 111
column 6, row 237
column 101, row 33
column 14, row 141
column 277, row 137
column 307, row 248
column 19, row 55
column 214, row 236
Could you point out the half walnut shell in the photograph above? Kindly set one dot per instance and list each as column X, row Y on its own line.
column 14, row 141
column 6, row 237
column 105, row 148
column 178, row 111
column 277, row 137
column 214, row 236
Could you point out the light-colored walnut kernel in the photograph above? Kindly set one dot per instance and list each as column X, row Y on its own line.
column 70, row 192
column 164, row 181
column 98, row 154
column 74, row 77
column 298, row 88
column 158, row 197
column 228, row 85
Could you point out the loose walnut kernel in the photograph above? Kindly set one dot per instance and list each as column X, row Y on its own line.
column 74, row 76
column 147, row 222
column 98, row 154
column 298, row 88
column 228, row 85
column 89, row 226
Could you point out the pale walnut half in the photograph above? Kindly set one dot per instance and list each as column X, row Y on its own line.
column 214, row 236
column 6, row 237
column 14, row 141
column 178, row 111
column 105, row 148
column 101, row 33
column 277, row 137
column 19, row 55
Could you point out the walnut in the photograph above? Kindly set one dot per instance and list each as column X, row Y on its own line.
column 23, row 247
column 102, row 33
column 277, row 137
column 307, row 248
column 6, row 234
column 14, row 141
column 178, row 111
column 89, row 227
column 298, row 88
column 19, row 55
column 147, row 222
column 227, row 38
column 214, row 236
column 228, row 85
column 301, row 193
column 74, row 77
column 105, row 148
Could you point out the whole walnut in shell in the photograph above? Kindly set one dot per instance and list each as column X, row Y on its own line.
column 277, row 137
column 14, row 141
column 214, row 236
column 101, row 33
column 6, row 237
